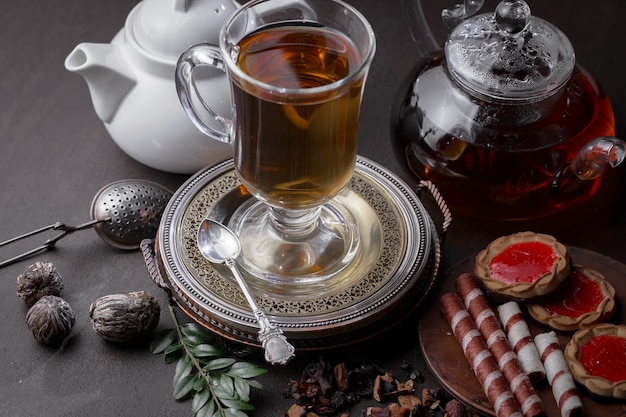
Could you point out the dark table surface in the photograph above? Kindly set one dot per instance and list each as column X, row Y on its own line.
column 55, row 154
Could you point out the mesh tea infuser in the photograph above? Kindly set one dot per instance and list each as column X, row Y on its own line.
column 123, row 213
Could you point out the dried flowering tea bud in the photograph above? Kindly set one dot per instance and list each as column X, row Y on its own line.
column 125, row 317
column 38, row 280
column 50, row 319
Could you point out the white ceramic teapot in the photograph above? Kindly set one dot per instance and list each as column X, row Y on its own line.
column 131, row 81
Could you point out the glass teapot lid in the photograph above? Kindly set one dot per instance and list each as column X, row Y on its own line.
column 509, row 55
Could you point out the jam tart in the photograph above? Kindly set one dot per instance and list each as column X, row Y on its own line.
column 522, row 266
column 585, row 298
column 596, row 359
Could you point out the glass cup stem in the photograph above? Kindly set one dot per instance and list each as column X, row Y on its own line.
column 294, row 224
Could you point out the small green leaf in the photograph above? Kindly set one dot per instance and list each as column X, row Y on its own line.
column 233, row 412
column 173, row 348
column 254, row 384
column 200, row 384
column 237, row 404
column 193, row 340
column 201, row 398
column 209, row 410
column 206, row 350
column 183, row 368
column 245, row 370
column 184, row 386
column 162, row 340
column 243, row 389
column 219, row 363
column 173, row 352
column 195, row 330
column 224, row 389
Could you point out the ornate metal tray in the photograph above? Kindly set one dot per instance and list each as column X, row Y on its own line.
column 390, row 286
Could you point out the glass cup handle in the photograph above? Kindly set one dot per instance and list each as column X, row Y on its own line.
column 194, row 105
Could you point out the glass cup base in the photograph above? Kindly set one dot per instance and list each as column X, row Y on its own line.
column 346, row 237
column 267, row 254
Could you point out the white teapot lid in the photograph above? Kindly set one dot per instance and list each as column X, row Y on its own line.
column 168, row 27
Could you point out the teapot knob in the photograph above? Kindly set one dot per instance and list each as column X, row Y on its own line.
column 513, row 15
column 181, row 5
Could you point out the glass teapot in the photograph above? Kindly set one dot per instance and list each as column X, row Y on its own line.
column 502, row 119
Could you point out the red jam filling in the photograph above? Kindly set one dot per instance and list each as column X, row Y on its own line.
column 576, row 296
column 523, row 262
column 604, row 356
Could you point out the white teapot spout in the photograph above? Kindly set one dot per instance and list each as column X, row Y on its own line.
column 107, row 74
column 131, row 82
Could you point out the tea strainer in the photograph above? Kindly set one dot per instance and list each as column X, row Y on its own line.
column 123, row 213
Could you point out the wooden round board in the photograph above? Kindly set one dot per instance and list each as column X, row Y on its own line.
column 444, row 355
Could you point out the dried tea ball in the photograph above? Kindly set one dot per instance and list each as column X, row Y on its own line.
column 50, row 319
column 38, row 280
column 125, row 317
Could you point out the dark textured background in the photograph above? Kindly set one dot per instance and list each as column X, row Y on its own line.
column 55, row 154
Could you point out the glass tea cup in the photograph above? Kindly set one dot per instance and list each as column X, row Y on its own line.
column 297, row 70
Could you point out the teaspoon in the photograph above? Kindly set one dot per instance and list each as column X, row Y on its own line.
column 219, row 244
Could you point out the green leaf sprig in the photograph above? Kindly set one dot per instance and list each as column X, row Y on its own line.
column 219, row 385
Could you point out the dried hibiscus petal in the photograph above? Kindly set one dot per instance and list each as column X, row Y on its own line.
column 360, row 383
column 323, row 373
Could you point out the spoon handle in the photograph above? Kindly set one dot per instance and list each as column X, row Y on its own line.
column 278, row 351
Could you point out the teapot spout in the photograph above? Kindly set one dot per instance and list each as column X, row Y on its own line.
column 599, row 154
column 108, row 76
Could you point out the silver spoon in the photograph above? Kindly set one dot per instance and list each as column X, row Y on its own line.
column 123, row 213
column 219, row 244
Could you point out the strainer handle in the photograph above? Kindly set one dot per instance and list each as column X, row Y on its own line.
column 66, row 230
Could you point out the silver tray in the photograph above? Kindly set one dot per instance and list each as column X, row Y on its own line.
column 390, row 287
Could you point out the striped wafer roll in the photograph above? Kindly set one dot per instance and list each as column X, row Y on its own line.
column 559, row 376
column 517, row 332
column 479, row 357
column 489, row 327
